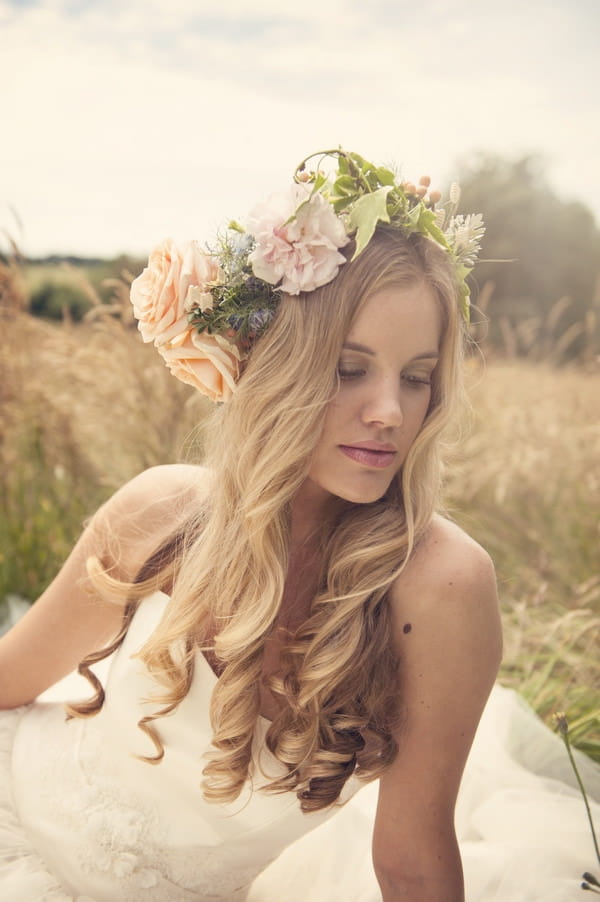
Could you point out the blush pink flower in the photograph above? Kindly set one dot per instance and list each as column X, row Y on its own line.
column 176, row 279
column 301, row 254
column 210, row 363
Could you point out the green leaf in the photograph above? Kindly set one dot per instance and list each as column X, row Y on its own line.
column 372, row 180
column 320, row 180
column 366, row 213
column 340, row 204
column 345, row 184
column 343, row 165
column 385, row 176
column 423, row 220
column 360, row 161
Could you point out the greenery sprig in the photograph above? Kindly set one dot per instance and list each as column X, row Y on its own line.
column 356, row 197
column 244, row 305
column 590, row 882
column 364, row 195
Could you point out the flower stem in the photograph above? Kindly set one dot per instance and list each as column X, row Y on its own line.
column 565, row 737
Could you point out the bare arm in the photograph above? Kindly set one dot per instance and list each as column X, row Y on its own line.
column 448, row 638
column 71, row 618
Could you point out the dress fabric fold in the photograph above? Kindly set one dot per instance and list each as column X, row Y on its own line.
column 83, row 819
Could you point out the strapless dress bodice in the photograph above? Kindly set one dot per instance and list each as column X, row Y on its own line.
column 116, row 827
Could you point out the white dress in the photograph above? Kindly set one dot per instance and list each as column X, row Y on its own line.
column 83, row 820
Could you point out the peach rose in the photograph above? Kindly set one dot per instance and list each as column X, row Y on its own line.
column 210, row 363
column 175, row 280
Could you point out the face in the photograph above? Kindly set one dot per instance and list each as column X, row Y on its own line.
column 385, row 372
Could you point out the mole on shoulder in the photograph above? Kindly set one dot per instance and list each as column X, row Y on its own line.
column 407, row 628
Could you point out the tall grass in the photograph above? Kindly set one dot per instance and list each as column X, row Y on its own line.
column 527, row 486
column 85, row 407
column 82, row 409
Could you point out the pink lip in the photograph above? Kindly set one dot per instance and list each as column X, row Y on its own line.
column 373, row 446
column 370, row 454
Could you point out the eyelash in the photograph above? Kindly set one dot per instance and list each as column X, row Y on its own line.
column 346, row 375
column 414, row 381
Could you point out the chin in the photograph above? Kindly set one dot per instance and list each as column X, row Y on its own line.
column 352, row 490
column 364, row 495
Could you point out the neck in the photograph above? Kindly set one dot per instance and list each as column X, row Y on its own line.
column 312, row 507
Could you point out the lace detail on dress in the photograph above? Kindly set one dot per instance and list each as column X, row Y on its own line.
column 118, row 839
column 114, row 838
column 123, row 837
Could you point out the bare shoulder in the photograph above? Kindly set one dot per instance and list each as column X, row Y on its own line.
column 447, row 564
column 145, row 512
column 445, row 601
column 165, row 488
column 446, row 553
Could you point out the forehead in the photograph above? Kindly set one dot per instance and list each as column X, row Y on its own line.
column 407, row 316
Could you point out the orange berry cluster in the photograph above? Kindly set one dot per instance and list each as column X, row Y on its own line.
column 421, row 189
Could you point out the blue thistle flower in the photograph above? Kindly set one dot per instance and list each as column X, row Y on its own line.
column 235, row 321
column 254, row 285
column 259, row 320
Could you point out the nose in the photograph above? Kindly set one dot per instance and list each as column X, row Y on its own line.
column 384, row 406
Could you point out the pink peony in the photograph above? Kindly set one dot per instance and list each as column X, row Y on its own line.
column 210, row 363
column 175, row 280
column 302, row 254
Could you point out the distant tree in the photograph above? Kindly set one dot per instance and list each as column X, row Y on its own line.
column 57, row 300
column 547, row 295
column 74, row 285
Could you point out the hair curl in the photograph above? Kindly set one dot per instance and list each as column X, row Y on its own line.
column 338, row 682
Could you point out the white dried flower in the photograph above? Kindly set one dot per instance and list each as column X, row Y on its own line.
column 454, row 194
column 464, row 234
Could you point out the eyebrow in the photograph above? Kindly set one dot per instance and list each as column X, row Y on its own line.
column 364, row 349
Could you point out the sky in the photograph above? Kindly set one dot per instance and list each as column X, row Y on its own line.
column 123, row 122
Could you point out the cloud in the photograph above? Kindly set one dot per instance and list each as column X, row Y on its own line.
column 126, row 121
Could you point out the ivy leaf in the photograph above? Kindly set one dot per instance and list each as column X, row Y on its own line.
column 360, row 161
column 385, row 176
column 343, row 166
column 424, row 221
column 340, row 204
column 345, row 184
column 366, row 213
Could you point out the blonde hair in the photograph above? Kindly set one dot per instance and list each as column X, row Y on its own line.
column 338, row 685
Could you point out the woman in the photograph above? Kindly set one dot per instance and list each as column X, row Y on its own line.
column 325, row 624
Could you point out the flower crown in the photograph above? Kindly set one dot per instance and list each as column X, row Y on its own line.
column 203, row 309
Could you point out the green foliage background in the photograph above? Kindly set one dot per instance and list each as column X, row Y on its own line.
column 545, row 302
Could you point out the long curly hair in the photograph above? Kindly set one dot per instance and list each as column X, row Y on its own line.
column 338, row 683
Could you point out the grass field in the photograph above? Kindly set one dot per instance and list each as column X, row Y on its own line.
column 85, row 407
column 527, row 486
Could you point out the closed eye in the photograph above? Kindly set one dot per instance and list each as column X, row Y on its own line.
column 346, row 374
column 417, row 381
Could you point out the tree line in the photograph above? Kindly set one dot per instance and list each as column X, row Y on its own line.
column 542, row 300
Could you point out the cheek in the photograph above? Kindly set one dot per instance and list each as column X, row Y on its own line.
column 416, row 409
column 336, row 415
column 329, row 431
